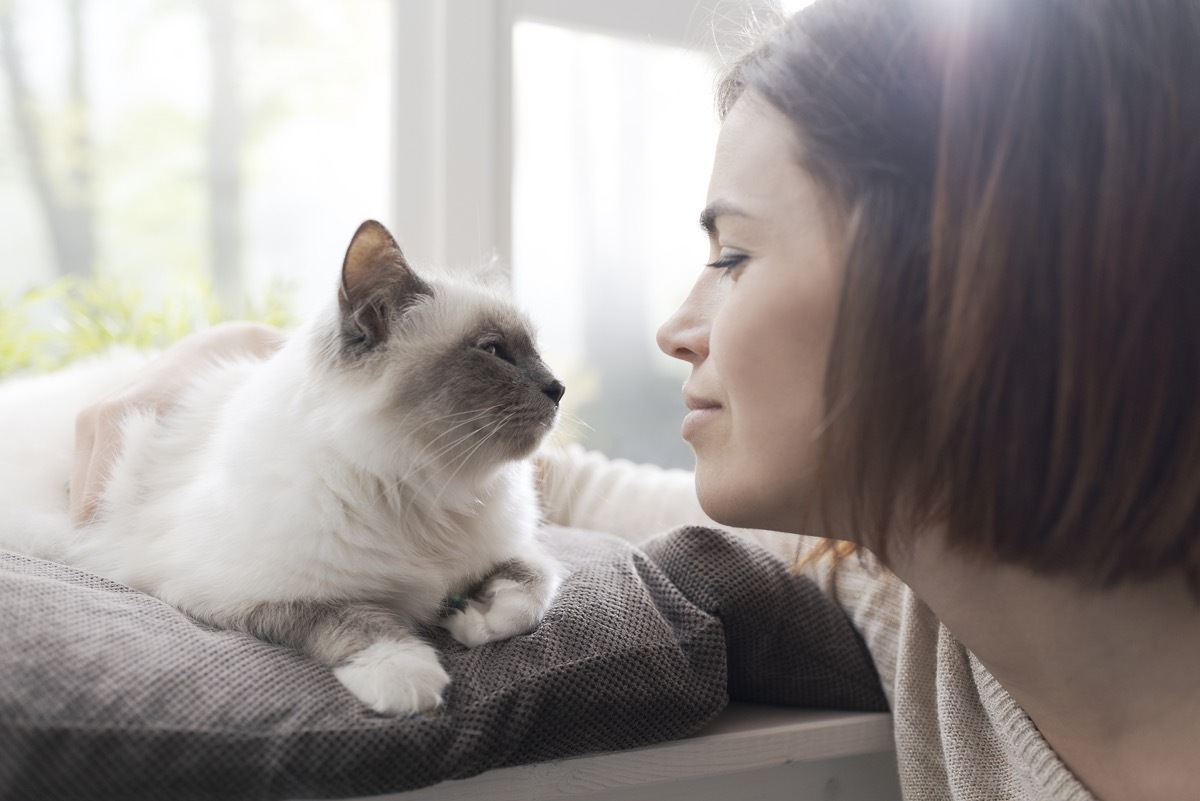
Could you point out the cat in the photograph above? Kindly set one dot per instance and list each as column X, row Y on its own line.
column 370, row 477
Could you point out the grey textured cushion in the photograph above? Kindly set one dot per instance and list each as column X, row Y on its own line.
column 106, row 693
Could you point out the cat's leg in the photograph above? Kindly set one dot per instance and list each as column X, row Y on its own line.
column 381, row 661
column 510, row 600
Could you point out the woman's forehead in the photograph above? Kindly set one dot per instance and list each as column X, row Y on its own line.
column 757, row 172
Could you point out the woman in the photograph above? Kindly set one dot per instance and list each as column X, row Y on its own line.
column 951, row 315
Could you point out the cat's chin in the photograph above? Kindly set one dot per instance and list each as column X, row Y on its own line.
column 487, row 462
column 524, row 446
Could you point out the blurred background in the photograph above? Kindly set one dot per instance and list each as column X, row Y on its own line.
column 165, row 164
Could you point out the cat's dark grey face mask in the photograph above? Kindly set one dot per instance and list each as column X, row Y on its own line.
column 497, row 379
column 466, row 381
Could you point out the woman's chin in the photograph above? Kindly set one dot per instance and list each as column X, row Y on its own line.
column 720, row 499
column 732, row 500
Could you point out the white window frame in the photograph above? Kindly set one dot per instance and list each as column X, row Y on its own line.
column 452, row 157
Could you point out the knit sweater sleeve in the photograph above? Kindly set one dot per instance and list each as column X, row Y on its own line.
column 588, row 490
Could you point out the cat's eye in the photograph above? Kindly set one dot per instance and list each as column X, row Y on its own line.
column 495, row 348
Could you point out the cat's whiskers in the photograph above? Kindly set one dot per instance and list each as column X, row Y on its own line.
column 466, row 456
column 577, row 420
column 446, row 417
column 393, row 491
column 433, row 510
column 418, row 464
column 403, row 423
column 551, row 479
column 436, row 474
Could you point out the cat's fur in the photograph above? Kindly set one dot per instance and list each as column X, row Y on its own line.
column 331, row 498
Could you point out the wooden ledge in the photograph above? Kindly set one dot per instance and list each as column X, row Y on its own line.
column 746, row 746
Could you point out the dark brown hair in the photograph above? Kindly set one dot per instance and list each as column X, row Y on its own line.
column 1017, row 353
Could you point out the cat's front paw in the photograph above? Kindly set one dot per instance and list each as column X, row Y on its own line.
column 504, row 608
column 395, row 678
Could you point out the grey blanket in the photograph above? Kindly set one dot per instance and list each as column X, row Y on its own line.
column 106, row 693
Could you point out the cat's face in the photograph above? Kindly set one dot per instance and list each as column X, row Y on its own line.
column 443, row 372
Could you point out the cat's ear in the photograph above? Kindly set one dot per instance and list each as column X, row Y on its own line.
column 377, row 285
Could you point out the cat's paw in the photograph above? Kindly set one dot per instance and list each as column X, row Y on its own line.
column 395, row 678
column 503, row 609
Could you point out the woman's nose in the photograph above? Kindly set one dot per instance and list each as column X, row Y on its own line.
column 685, row 333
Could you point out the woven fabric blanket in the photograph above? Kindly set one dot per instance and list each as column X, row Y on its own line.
column 107, row 693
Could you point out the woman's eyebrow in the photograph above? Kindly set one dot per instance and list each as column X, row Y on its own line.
column 715, row 210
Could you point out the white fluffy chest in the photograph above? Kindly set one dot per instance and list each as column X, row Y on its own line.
column 233, row 536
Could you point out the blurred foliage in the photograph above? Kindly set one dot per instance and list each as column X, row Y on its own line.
column 46, row 328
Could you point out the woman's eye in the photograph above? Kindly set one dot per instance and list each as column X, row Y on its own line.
column 727, row 261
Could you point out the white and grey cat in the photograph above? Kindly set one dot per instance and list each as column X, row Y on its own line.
column 333, row 497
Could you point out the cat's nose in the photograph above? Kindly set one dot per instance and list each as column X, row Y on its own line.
column 554, row 391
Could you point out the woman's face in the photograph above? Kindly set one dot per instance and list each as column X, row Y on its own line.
column 757, row 325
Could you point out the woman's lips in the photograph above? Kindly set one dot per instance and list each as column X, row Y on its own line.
column 700, row 412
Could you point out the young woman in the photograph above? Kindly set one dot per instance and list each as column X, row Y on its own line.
column 952, row 315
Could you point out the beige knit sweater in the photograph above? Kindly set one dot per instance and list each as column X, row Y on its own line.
column 959, row 734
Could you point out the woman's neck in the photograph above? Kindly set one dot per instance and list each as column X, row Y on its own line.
column 1111, row 678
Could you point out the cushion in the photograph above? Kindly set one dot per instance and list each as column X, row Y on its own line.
column 107, row 693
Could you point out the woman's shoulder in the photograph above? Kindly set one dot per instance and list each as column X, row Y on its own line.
column 956, row 726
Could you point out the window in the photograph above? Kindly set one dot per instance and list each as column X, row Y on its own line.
column 160, row 142
column 167, row 144
column 613, row 141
